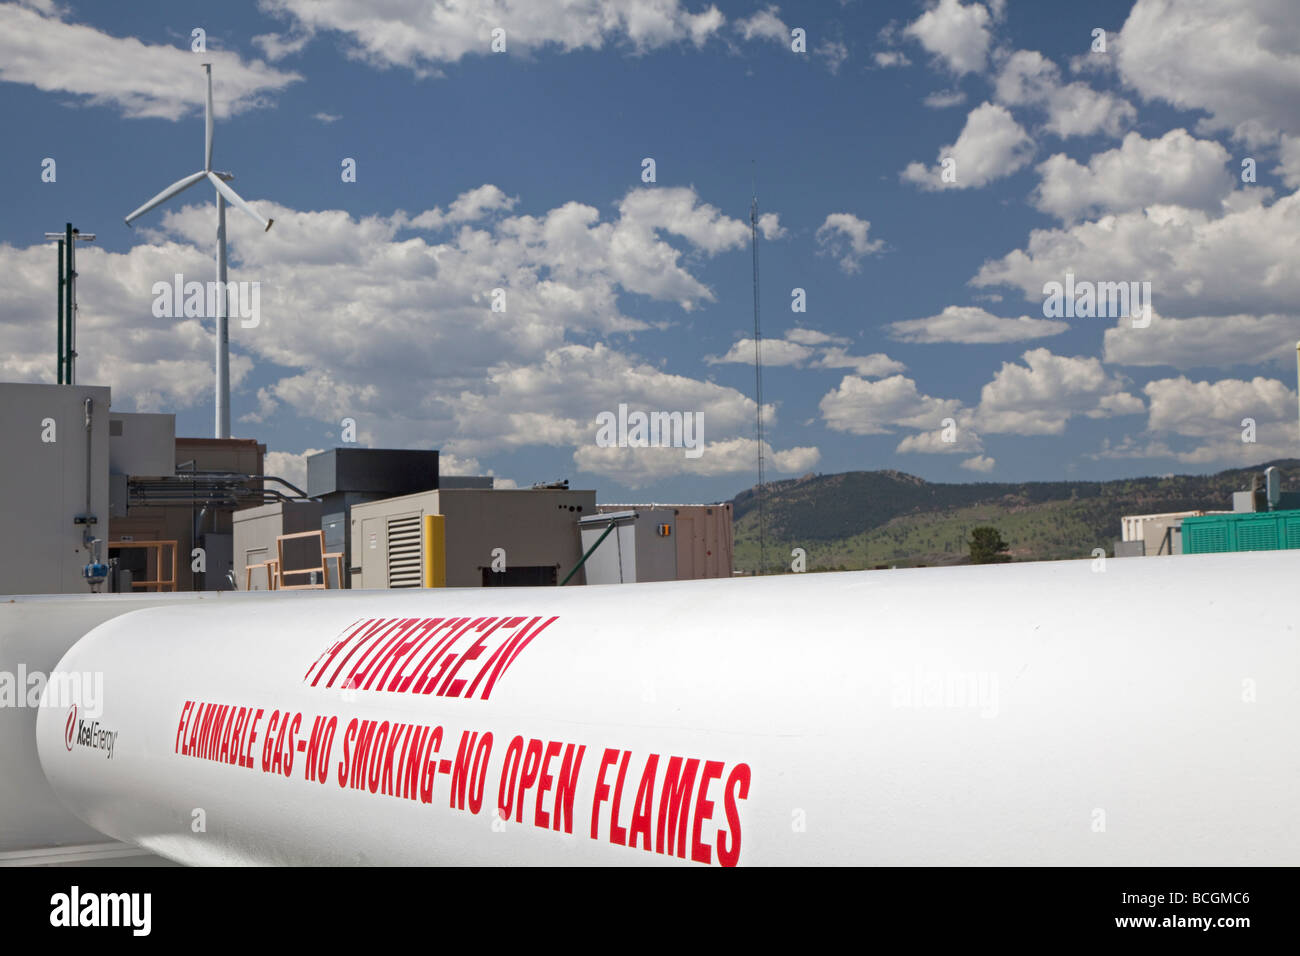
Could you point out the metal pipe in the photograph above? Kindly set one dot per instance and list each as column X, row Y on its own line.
column 1023, row 714
column 88, row 405
column 59, row 359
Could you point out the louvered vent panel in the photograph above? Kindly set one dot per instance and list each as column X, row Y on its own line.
column 1204, row 538
column 404, row 552
column 1256, row 536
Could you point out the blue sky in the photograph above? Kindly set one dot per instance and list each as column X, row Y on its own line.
column 522, row 171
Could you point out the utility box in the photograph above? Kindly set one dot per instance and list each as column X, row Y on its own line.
column 1129, row 549
column 505, row 537
column 218, row 560
column 1258, row 531
column 335, row 527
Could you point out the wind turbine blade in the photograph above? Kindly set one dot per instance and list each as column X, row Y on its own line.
column 177, row 187
column 234, row 199
column 207, row 151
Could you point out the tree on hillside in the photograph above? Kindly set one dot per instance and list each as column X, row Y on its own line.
column 987, row 547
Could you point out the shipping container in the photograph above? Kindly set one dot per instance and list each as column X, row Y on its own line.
column 1257, row 531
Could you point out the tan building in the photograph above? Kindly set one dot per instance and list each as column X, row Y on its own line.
column 529, row 534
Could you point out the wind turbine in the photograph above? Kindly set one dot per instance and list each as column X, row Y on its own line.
column 224, row 194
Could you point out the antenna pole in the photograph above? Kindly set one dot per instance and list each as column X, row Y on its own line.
column 758, row 387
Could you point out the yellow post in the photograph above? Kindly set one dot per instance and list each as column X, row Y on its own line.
column 435, row 552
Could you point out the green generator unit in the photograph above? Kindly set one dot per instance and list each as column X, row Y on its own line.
column 1249, row 531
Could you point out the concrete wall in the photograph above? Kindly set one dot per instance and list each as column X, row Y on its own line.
column 43, row 485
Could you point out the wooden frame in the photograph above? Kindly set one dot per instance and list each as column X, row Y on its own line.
column 282, row 573
column 272, row 569
column 160, row 583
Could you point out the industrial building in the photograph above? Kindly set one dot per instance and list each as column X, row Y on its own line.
column 1155, row 534
column 117, row 502
column 490, row 537
column 97, row 499
column 462, row 532
column 1263, row 518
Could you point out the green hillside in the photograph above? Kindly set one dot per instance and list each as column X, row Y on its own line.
column 863, row 519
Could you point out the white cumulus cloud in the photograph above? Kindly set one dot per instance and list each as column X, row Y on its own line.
column 846, row 237
column 957, row 35
column 991, row 145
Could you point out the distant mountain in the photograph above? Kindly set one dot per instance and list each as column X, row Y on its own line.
column 863, row 519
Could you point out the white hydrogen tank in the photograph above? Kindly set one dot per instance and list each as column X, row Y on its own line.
column 1110, row 712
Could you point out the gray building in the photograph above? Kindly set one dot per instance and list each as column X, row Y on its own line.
column 53, row 485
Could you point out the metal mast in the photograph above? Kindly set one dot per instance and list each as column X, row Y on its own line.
column 758, row 388
column 66, row 362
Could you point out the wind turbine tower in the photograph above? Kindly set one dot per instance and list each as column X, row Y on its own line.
column 225, row 194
